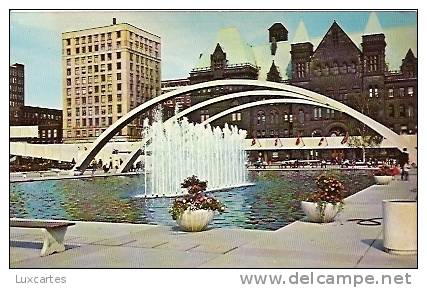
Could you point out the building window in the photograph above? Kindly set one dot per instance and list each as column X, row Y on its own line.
column 301, row 116
column 403, row 129
column 410, row 111
column 391, row 111
column 391, row 92
column 236, row 116
column 204, row 115
column 401, row 92
column 260, row 117
column 402, row 110
column 410, row 91
column 317, row 113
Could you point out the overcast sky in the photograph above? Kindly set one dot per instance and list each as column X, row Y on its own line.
column 35, row 37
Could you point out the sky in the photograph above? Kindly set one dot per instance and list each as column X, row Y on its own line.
column 35, row 37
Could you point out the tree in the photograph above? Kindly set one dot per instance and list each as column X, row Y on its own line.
column 362, row 136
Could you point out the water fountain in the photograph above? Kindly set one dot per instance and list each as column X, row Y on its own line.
column 180, row 149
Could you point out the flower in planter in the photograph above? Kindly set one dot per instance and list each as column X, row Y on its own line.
column 195, row 199
column 329, row 190
column 384, row 171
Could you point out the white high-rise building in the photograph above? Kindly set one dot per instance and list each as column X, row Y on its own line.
column 107, row 71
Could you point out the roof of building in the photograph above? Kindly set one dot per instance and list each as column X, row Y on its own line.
column 232, row 43
column 301, row 34
column 399, row 40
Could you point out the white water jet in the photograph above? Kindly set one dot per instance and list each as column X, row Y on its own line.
column 181, row 149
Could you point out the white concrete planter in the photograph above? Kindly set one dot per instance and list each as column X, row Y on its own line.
column 400, row 226
column 312, row 211
column 194, row 221
column 383, row 180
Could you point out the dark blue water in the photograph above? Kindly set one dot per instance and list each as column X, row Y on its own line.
column 272, row 203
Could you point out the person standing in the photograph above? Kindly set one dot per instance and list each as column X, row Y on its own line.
column 403, row 158
column 406, row 168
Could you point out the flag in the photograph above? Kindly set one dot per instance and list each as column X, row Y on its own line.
column 345, row 139
column 299, row 140
column 253, row 141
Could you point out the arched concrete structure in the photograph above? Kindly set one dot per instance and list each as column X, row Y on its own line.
column 126, row 119
column 137, row 152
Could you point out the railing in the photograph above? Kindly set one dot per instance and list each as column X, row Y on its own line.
column 232, row 66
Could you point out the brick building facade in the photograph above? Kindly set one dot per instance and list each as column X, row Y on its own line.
column 337, row 67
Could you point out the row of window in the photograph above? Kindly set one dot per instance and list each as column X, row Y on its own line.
column 400, row 92
column 91, row 122
column 392, row 92
column 48, row 133
column 402, row 112
column 17, row 97
column 144, row 61
column 147, row 73
column 108, row 36
column 15, row 103
column 371, row 63
column 270, row 133
column 37, row 115
column 326, row 70
column 90, row 111
column 109, row 47
column 14, row 80
column 97, row 78
column 261, row 118
column 95, row 99
column 86, row 133
column 16, row 72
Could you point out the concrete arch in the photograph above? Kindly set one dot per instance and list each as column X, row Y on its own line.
column 137, row 152
column 126, row 119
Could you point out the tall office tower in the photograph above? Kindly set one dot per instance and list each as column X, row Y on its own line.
column 16, row 92
column 107, row 71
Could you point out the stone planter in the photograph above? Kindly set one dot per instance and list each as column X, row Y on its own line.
column 400, row 226
column 383, row 180
column 194, row 221
column 313, row 214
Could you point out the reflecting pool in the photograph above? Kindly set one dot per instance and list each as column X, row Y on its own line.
column 271, row 203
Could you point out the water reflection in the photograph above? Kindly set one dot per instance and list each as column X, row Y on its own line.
column 270, row 204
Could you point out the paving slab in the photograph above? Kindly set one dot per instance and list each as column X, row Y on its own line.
column 377, row 257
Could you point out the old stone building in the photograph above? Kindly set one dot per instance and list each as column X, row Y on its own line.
column 348, row 67
column 337, row 66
